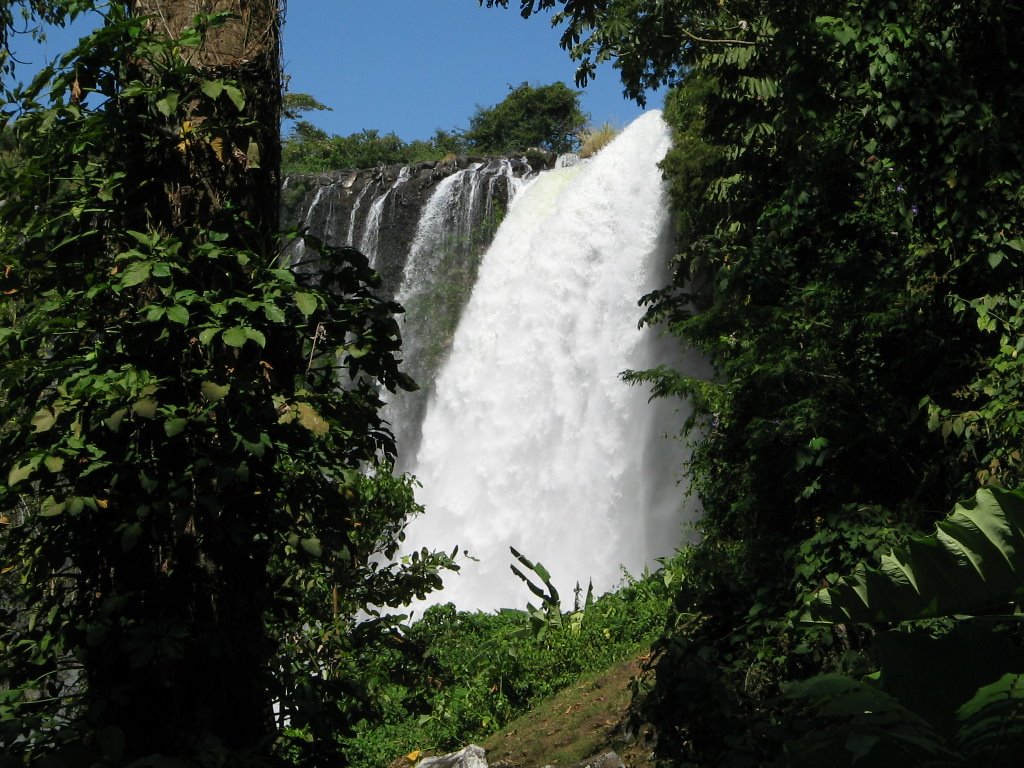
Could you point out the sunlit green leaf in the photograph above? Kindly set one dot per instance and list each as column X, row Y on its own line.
column 44, row 420
column 213, row 392
column 136, row 273
column 145, row 408
column 312, row 546
column 212, row 88
column 113, row 422
column 257, row 336
column 306, row 302
column 173, row 427
column 311, row 420
column 22, row 472
column 236, row 96
column 235, row 336
column 167, row 104
column 177, row 314
column 51, row 507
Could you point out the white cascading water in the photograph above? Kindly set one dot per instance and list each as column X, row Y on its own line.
column 531, row 439
column 371, row 229
column 444, row 251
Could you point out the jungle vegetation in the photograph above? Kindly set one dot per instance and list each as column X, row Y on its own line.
column 531, row 117
column 186, row 535
column 847, row 180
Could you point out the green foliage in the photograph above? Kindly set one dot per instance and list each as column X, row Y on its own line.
column 295, row 104
column 308, row 149
column 549, row 614
column 855, row 723
column 547, row 117
column 454, row 676
column 192, row 510
column 969, row 714
column 847, row 180
column 734, row 637
column 971, row 564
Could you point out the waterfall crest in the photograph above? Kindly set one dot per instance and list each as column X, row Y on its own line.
column 530, row 439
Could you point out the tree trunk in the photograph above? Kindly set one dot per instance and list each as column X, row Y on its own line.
column 209, row 691
column 242, row 171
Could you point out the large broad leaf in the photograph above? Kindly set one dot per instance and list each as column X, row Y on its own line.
column 852, row 723
column 973, row 563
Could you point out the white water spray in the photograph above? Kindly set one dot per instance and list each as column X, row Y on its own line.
column 531, row 440
column 457, row 220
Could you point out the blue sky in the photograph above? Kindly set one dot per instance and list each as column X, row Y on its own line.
column 411, row 66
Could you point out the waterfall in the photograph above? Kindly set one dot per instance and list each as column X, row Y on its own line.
column 530, row 439
column 371, row 230
column 457, row 223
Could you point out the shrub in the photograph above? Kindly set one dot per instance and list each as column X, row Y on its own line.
column 593, row 140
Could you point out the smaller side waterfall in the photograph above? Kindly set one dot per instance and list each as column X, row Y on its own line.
column 457, row 224
column 378, row 210
column 371, row 229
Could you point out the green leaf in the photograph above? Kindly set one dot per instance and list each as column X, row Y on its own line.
column 311, row 420
column 113, row 422
column 312, row 546
column 973, row 562
column 252, row 155
column 44, row 420
column 22, row 472
column 1007, row 688
column 51, row 507
column 173, row 427
column 236, row 96
column 273, row 313
column 306, row 302
column 54, row 463
column 214, row 392
column 190, row 38
column 257, row 336
column 212, row 88
column 168, row 104
column 130, row 536
column 145, row 408
column 206, row 335
column 136, row 273
column 177, row 314
column 235, row 336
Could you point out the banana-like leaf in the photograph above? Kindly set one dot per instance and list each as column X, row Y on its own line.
column 550, row 597
column 973, row 563
column 991, row 724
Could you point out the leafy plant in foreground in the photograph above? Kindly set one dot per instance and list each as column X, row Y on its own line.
column 971, row 712
column 187, row 526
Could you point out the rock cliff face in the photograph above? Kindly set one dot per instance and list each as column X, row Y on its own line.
column 424, row 228
column 378, row 210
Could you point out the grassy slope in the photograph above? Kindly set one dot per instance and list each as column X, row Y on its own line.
column 583, row 720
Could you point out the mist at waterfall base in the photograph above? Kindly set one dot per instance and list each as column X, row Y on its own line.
column 530, row 439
